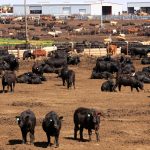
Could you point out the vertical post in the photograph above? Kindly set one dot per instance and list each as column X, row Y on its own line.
column 127, row 46
column 26, row 24
column 101, row 14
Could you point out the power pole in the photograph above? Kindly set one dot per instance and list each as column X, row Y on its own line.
column 26, row 23
column 101, row 14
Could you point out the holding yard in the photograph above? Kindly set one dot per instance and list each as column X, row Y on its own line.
column 125, row 124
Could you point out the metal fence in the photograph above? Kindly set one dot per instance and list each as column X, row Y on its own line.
column 107, row 17
column 87, row 16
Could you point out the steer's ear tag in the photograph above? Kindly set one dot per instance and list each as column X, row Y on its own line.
column 17, row 119
column 89, row 115
column 50, row 120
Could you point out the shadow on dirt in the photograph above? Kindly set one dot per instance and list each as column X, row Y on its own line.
column 5, row 91
column 15, row 142
column 58, row 85
column 71, row 138
column 41, row 144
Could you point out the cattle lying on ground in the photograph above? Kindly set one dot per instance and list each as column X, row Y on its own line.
column 73, row 60
column 145, row 60
column 40, row 68
column 142, row 76
column 10, row 62
column 101, row 75
column 55, row 62
column 146, row 69
column 127, row 80
column 127, row 68
column 52, row 126
column 68, row 76
column 30, row 78
column 37, row 68
column 108, row 86
column 8, row 79
column 27, row 123
column 109, row 66
column 141, row 51
column 88, row 119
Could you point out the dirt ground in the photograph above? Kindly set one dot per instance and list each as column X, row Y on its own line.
column 125, row 126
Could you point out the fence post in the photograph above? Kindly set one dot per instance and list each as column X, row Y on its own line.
column 18, row 53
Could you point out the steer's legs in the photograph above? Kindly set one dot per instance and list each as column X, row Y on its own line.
column 24, row 137
column 74, row 84
column 81, row 133
column 90, row 133
column 3, row 88
column 97, row 136
column 63, row 82
column 137, row 89
column 48, row 139
column 119, row 87
column 31, row 137
column 56, row 141
column 76, row 128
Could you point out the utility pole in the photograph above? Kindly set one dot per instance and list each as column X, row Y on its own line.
column 101, row 14
column 26, row 23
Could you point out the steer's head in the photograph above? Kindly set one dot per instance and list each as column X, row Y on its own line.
column 53, row 122
column 140, row 85
column 96, row 119
column 22, row 120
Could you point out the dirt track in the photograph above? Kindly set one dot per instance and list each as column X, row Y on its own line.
column 125, row 126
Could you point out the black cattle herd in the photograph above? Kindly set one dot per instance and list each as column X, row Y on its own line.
column 84, row 118
column 120, row 68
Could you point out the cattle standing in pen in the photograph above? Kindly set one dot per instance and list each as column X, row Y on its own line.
column 52, row 126
column 70, row 79
column 128, row 80
column 9, row 80
column 68, row 76
column 88, row 119
column 27, row 123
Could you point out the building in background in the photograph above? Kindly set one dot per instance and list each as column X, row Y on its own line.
column 68, row 9
column 6, row 9
column 138, row 8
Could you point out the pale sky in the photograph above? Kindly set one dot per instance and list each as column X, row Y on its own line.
column 124, row 2
column 66, row 1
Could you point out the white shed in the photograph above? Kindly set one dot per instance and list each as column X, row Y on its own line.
column 55, row 9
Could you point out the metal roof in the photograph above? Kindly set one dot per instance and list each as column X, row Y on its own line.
column 138, row 4
column 66, row 3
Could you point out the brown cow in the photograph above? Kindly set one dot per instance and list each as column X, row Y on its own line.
column 38, row 53
column 112, row 49
column 133, row 30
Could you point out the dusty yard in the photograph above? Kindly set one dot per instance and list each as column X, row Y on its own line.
column 126, row 125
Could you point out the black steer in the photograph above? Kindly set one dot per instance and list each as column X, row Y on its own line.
column 52, row 125
column 38, row 68
column 127, row 80
column 27, row 122
column 27, row 54
column 88, row 119
column 9, row 80
column 68, row 76
column 70, row 79
column 108, row 86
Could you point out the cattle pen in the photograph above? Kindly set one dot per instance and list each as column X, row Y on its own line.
column 87, row 51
